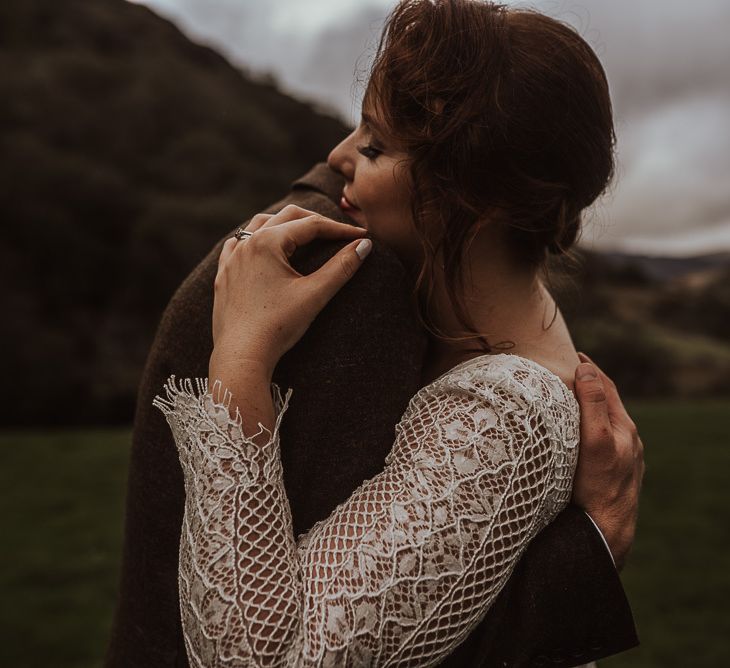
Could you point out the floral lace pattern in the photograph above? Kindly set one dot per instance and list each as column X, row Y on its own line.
column 399, row 573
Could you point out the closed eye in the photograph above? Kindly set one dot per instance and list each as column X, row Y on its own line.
column 369, row 151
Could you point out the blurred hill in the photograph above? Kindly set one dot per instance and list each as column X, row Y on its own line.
column 127, row 151
column 658, row 326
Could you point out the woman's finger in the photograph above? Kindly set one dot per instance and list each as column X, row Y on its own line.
column 304, row 230
column 259, row 221
column 228, row 246
column 291, row 212
column 288, row 213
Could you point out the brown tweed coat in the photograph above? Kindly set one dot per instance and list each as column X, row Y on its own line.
column 353, row 374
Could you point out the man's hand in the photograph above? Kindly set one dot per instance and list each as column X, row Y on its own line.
column 611, row 460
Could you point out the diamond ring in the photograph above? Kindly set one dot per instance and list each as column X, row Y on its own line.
column 241, row 234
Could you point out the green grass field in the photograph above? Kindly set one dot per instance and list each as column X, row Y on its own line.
column 62, row 517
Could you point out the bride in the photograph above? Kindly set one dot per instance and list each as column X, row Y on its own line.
column 485, row 132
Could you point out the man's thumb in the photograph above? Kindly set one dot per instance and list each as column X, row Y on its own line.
column 588, row 384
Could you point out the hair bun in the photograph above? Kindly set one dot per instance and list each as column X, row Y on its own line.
column 526, row 127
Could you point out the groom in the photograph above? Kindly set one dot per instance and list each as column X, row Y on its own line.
column 353, row 373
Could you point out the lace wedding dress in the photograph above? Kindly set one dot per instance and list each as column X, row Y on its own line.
column 402, row 571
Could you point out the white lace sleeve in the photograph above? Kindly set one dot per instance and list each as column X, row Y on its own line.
column 400, row 572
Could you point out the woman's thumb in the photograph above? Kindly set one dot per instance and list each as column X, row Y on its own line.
column 350, row 261
column 363, row 248
column 338, row 270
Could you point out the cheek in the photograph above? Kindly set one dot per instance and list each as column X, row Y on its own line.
column 397, row 228
column 391, row 208
column 394, row 194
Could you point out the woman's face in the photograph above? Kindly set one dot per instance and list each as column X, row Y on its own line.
column 377, row 191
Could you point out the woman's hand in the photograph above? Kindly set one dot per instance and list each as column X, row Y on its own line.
column 262, row 305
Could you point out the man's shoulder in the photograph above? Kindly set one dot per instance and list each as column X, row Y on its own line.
column 383, row 269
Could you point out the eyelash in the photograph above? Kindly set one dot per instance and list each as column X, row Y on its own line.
column 369, row 151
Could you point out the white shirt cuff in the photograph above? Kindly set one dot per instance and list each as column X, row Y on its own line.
column 603, row 538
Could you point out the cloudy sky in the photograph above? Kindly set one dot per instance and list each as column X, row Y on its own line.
column 668, row 63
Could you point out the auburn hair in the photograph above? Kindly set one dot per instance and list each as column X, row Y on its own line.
column 502, row 111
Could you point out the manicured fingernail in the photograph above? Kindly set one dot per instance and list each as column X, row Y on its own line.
column 586, row 372
column 363, row 248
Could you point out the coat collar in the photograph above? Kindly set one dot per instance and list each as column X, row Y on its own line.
column 323, row 179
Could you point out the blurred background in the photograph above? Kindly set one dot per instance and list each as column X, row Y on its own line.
column 134, row 135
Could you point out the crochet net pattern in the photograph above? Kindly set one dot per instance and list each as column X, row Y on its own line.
column 404, row 569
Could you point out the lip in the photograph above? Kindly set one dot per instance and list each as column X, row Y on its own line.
column 346, row 204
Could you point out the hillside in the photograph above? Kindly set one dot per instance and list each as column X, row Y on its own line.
column 659, row 326
column 127, row 151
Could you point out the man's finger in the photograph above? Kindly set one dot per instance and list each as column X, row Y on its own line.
column 595, row 425
column 589, row 383
column 616, row 410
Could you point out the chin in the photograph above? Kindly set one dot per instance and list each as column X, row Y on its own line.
column 353, row 218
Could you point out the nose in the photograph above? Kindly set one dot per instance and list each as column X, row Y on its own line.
column 341, row 158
